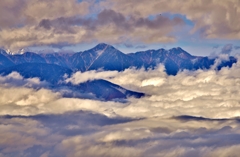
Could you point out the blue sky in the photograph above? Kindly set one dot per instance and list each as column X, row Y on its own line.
column 130, row 26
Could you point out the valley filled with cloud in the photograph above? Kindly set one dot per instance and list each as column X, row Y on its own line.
column 122, row 78
column 191, row 113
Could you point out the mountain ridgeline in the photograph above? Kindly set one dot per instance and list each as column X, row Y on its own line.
column 106, row 57
column 53, row 67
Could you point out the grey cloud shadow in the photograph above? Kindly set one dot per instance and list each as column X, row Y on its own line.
column 183, row 139
column 74, row 123
column 194, row 118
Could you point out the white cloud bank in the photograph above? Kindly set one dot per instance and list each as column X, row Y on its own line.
column 80, row 77
column 206, row 93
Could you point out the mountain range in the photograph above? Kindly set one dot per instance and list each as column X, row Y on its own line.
column 53, row 66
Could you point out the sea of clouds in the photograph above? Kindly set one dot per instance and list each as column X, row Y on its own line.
column 195, row 113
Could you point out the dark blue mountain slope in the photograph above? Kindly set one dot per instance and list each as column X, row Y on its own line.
column 107, row 90
column 27, row 57
column 102, row 56
column 53, row 67
column 61, row 59
column 96, row 89
column 109, row 58
column 175, row 59
column 48, row 72
column 106, row 57
column 54, row 75
column 5, row 62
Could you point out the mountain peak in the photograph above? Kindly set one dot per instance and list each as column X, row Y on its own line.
column 102, row 46
column 6, row 52
column 180, row 52
column 176, row 49
column 3, row 52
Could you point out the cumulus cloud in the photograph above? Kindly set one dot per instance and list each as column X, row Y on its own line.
column 155, row 125
column 20, row 19
column 30, row 36
column 30, row 12
column 166, row 95
column 80, row 77
column 15, row 79
column 36, row 23
column 146, row 137
column 24, row 101
column 187, row 93
column 214, row 19
column 212, row 88
column 109, row 26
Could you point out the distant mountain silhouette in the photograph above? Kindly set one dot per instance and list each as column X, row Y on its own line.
column 52, row 67
column 106, row 57
column 46, row 72
column 54, row 75
column 96, row 89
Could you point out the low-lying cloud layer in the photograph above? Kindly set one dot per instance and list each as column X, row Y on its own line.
column 80, row 77
column 46, row 124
